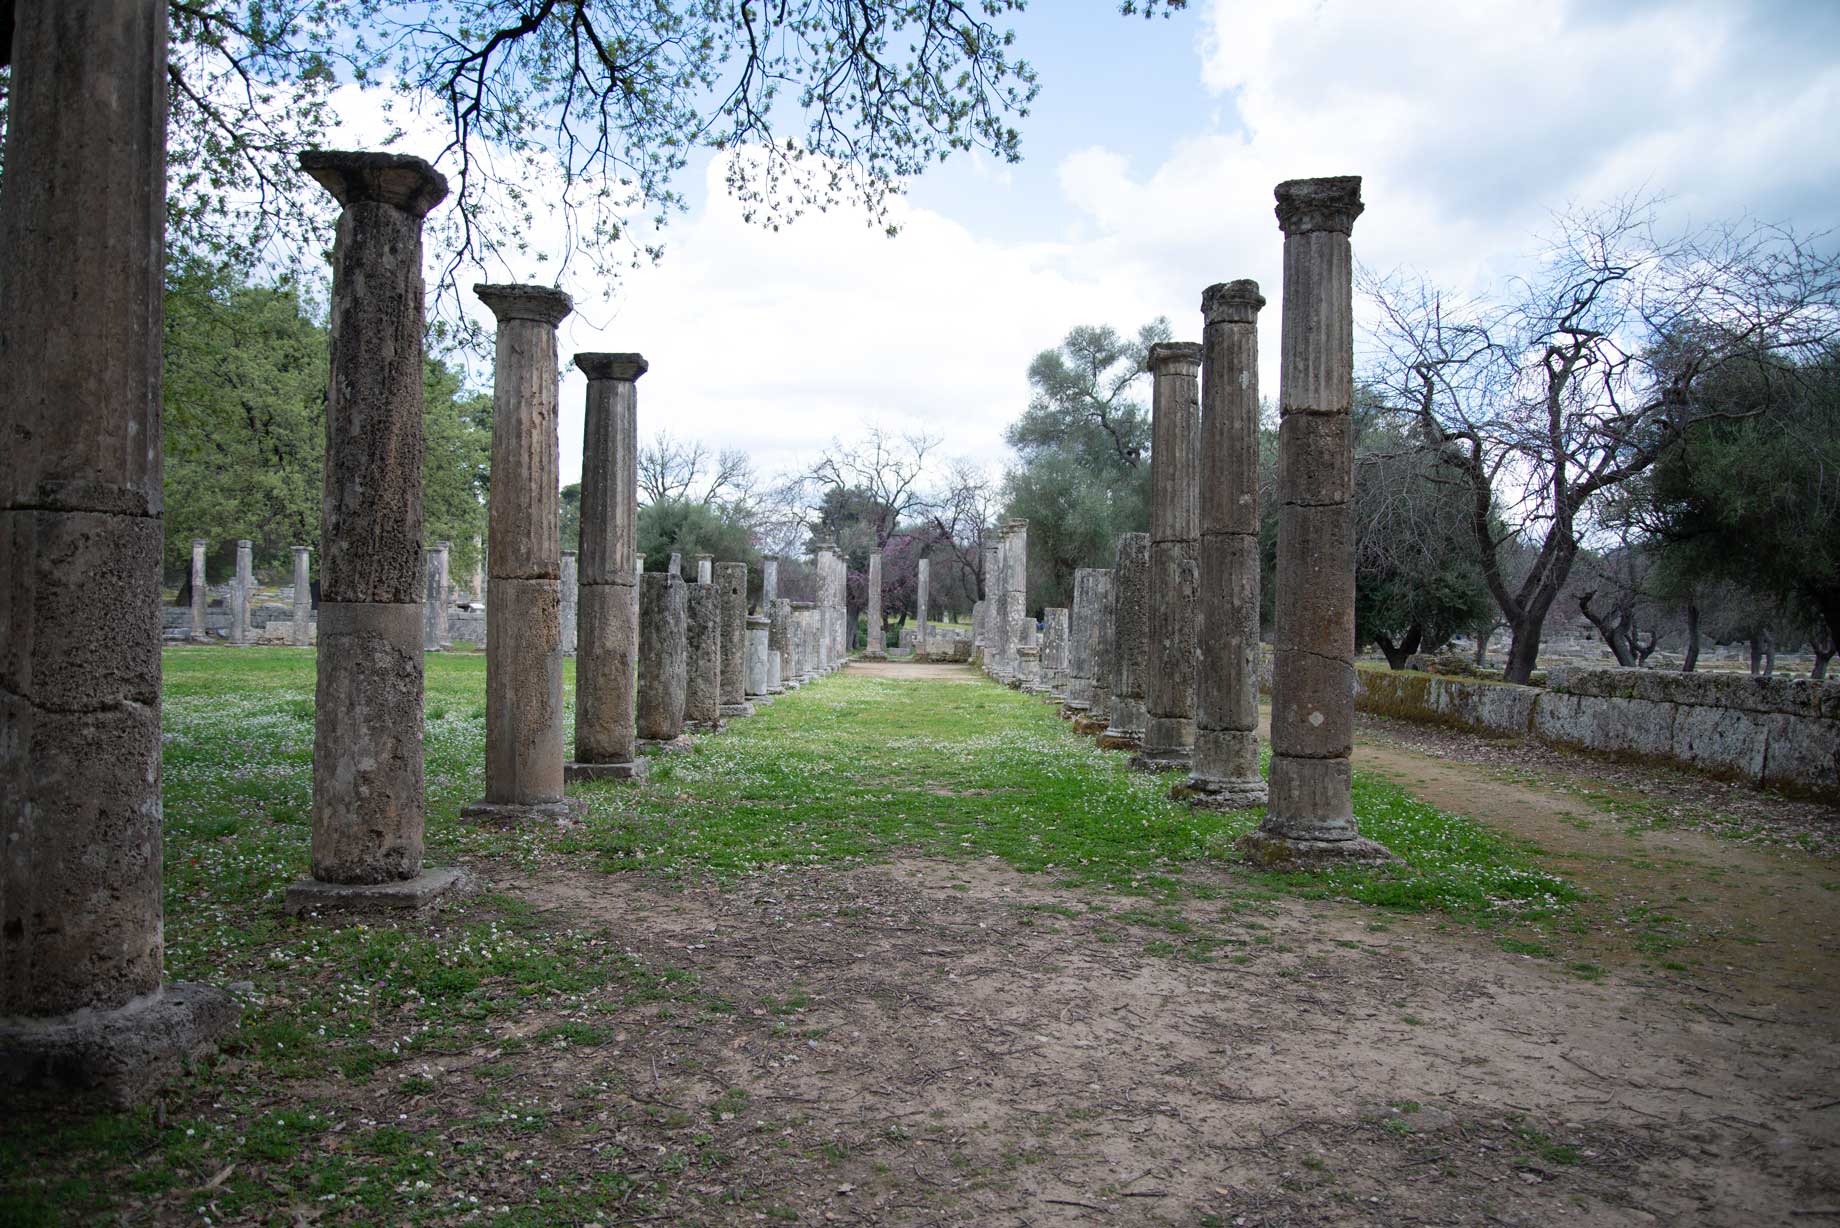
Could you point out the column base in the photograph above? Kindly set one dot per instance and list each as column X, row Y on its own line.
column 760, row 701
column 120, row 1056
column 715, row 726
column 518, row 814
column 1113, row 738
column 662, row 746
column 1163, row 759
column 404, row 897
column 875, row 656
column 1285, row 853
column 729, row 711
column 1207, row 793
column 1086, row 726
column 631, row 770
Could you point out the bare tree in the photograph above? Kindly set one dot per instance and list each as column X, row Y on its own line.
column 887, row 470
column 960, row 516
column 1542, row 404
column 687, row 471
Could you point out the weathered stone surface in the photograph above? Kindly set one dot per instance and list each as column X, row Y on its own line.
column 200, row 598
column 569, row 621
column 1169, row 676
column 876, row 648
column 923, row 582
column 757, row 671
column 1082, row 638
column 1105, row 655
column 118, row 1055
column 606, row 674
column 769, row 582
column 404, row 897
column 1054, row 651
column 607, row 644
column 524, row 509
column 241, row 590
column 732, row 585
column 1130, row 625
column 705, row 569
column 434, row 602
column 703, row 657
column 779, row 641
column 663, row 605
column 991, row 632
column 300, row 630
column 524, row 716
column 367, row 744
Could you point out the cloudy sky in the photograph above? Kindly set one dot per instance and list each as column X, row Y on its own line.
column 1149, row 164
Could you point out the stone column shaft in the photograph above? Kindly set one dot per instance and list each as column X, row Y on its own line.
column 758, row 673
column 524, row 712
column 607, row 639
column 705, row 569
column 1310, row 815
column 1226, row 764
column 732, row 585
column 923, row 575
column 663, row 604
column 992, row 551
column 434, row 608
column 875, row 647
column 1098, row 637
column 1169, row 674
column 571, row 602
column 201, row 599
column 1054, row 651
column 1130, row 623
column 779, row 630
column 703, row 657
column 242, row 589
column 769, row 582
column 302, row 631
column 1080, row 641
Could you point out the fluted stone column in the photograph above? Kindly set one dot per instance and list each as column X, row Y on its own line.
column 242, row 589
column 769, row 582
column 779, row 633
column 374, row 578
column 570, row 602
column 607, row 640
column 923, row 577
column 434, row 607
column 663, row 661
column 758, row 674
column 1175, row 454
column 82, row 216
column 201, row 600
column 524, row 713
column 1096, row 636
column 875, row 646
column 1226, row 764
column 1130, row 627
column 705, row 569
column 703, row 658
column 1054, row 652
column 301, row 633
column 732, row 585
column 1310, row 816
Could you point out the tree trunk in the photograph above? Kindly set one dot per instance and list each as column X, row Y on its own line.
column 1756, row 654
column 1690, row 661
column 1819, row 672
column 1523, row 647
column 1395, row 657
column 1615, row 637
column 1769, row 653
column 1482, row 646
column 184, row 600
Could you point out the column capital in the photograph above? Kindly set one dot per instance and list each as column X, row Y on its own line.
column 303, row 549
column 1331, row 203
column 443, row 545
column 626, row 367
column 700, row 557
column 243, row 543
column 516, row 301
column 1169, row 357
column 400, row 180
column 200, row 543
column 1231, row 302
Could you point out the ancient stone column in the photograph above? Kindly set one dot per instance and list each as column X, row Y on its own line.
column 242, row 589
column 663, row 604
column 433, row 603
column 374, row 578
column 705, row 569
column 1175, row 454
column 1081, row 642
column 444, row 594
column 1054, row 651
column 703, row 658
column 923, row 569
column 758, row 678
column 1028, row 659
column 769, row 582
column 1100, row 636
column 1015, row 591
column 201, row 600
column 676, row 565
column 1311, row 815
column 82, row 216
column 1226, row 762
column 805, row 625
column 569, row 604
column 875, row 646
column 779, row 634
column 607, row 643
column 1130, row 632
column 731, row 583
column 524, row 713
column 993, row 601
column 301, row 633
column 826, row 606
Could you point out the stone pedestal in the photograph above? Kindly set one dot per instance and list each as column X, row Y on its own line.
column 607, row 643
column 1310, row 815
column 731, row 584
column 1169, row 673
column 201, row 600
column 876, row 647
column 524, row 712
column 300, row 633
column 1226, row 764
column 571, row 602
column 663, row 605
column 242, row 589
column 1130, row 624
column 703, row 658
column 82, row 216
column 367, row 743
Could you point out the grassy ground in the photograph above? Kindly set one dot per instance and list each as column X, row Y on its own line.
column 294, row 1124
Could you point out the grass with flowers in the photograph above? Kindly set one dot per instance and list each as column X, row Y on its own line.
column 315, row 1113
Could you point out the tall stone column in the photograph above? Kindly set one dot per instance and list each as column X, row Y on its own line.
column 1175, row 454
column 1099, row 637
column 703, row 658
column 82, row 216
column 826, row 606
column 524, row 714
column 993, row 601
column 1054, row 651
column 444, row 594
column 570, row 602
column 806, row 623
column 875, row 647
column 663, row 602
column 201, row 599
column 758, row 673
column 367, row 736
column 1226, row 764
column 779, row 635
column 301, row 634
column 769, row 582
column 923, row 583
column 1311, row 814
column 433, row 602
column 705, row 569
column 1015, row 592
column 731, row 584
column 1080, row 642
column 241, row 590
column 1130, row 633
column 607, row 642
